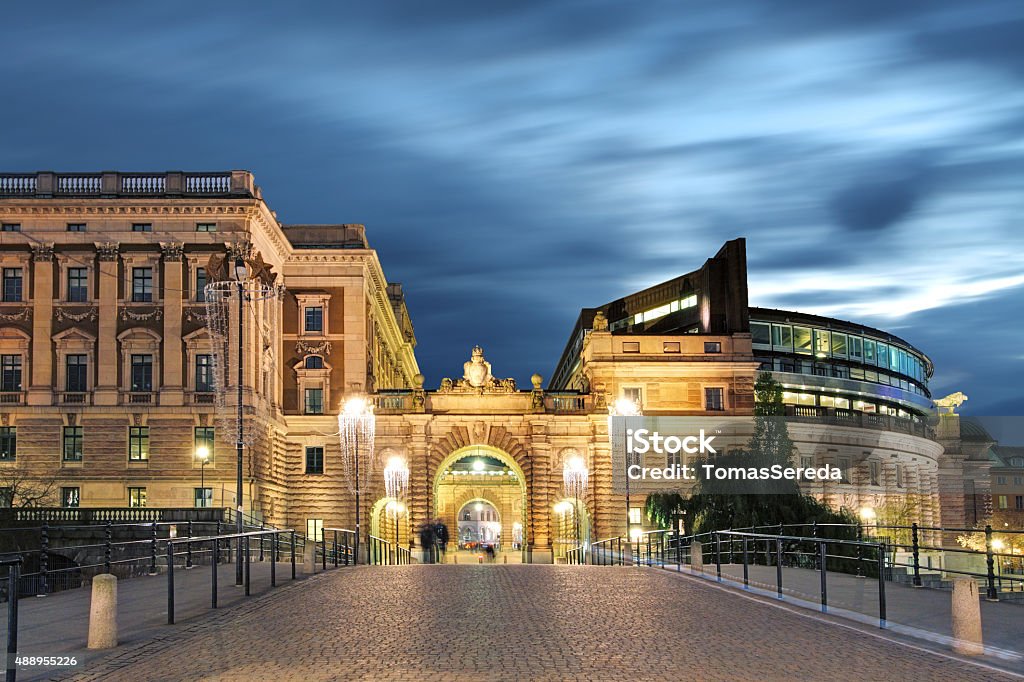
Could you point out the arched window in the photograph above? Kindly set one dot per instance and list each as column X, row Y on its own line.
column 314, row 362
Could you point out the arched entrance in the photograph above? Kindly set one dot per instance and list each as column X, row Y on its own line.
column 389, row 519
column 479, row 525
column 486, row 476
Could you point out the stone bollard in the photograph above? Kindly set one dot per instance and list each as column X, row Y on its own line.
column 504, row 559
column 966, row 617
column 103, row 612
column 696, row 557
column 309, row 558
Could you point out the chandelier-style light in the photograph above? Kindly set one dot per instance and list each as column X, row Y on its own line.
column 396, row 477
column 575, row 476
column 356, row 431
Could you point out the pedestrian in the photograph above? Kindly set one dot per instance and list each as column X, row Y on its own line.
column 427, row 539
column 490, row 552
column 442, row 538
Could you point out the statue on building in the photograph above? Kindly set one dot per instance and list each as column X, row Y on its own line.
column 950, row 403
column 600, row 323
column 477, row 378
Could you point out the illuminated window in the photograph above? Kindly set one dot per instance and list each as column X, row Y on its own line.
column 634, row 515
column 801, row 339
column 136, row 497
column 1003, row 502
column 838, row 344
column 8, row 443
column 72, row 444
column 315, row 529
column 70, row 496
column 138, row 443
column 670, row 347
column 821, row 343
column 712, row 346
column 203, row 497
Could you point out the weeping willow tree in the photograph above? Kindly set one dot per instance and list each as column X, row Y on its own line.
column 724, row 504
column 661, row 509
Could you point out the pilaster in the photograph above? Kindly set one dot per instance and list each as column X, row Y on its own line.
column 41, row 387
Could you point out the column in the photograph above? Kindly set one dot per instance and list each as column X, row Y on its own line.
column 40, row 390
column 108, row 359
column 171, row 389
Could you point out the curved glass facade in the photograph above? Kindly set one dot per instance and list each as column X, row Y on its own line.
column 830, row 363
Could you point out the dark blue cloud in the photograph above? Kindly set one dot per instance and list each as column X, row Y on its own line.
column 516, row 161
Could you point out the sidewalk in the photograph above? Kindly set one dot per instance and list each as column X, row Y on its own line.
column 919, row 612
column 58, row 625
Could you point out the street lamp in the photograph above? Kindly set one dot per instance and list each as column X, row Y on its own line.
column 624, row 407
column 867, row 516
column 203, row 455
column 355, row 423
column 395, row 508
column 574, row 480
column 241, row 274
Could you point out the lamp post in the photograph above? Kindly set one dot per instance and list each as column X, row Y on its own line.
column 203, row 455
column 396, row 482
column 356, row 423
column 574, row 480
column 241, row 274
column 624, row 407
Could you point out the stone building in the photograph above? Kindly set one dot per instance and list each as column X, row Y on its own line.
column 108, row 381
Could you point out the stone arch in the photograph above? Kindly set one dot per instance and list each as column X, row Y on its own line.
column 496, row 437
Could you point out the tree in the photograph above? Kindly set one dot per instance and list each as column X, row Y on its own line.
column 661, row 509
column 20, row 489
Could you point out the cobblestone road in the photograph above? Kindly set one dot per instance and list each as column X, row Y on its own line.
column 516, row 623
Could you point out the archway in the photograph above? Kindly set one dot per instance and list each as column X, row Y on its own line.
column 479, row 525
column 389, row 519
column 485, row 475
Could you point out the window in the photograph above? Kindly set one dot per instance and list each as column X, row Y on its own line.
column 633, row 394
column 8, row 443
column 142, row 227
column 856, row 347
column 138, row 443
column 12, row 227
column 204, row 373
column 899, row 475
column 1003, row 503
column 314, row 401
column 634, row 515
column 142, row 285
column 10, row 373
column 670, row 347
column 315, row 529
column 714, row 399
column 838, row 344
column 142, row 373
column 71, row 496
column 844, row 466
column 203, row 437
column 314, row 320
column 72, row 450
column 806, row 461
column 206, row 227
column 1018, row 502
column 314, row 362
column 200, row 285
column 801, row 339
column 821, row 343
column 315, row 460
column 1017, row 480
column 77, row 373
column 712, row 346
column 78, row 285
column 203, row 497
column 873, row 473
column 136, row 497
column 12, row 285
column 1000, row 480
column 76, row 227
column 760, row 333
column 630, row 346
column 882, row 355
column 782, row 336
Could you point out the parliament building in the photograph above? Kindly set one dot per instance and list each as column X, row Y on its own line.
column 108, row 388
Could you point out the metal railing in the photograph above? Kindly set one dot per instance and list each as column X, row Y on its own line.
column 243, row 548
column 381, row 552
column 341, row 551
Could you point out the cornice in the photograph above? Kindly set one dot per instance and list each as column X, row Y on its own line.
column 120, row 209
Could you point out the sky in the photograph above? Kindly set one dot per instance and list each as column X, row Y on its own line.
column 516, row 161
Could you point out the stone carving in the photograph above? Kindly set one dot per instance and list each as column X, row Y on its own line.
column 5, row 419
column 42, row 253
column 195, row 314
column 307, row 348
column 477, row 378
column 21, row 316
column 952, row 401
column 221, row 266
column 172, row 251
column 155, row 314
column 600, row 323
column 90, row 314
column 108, row 251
